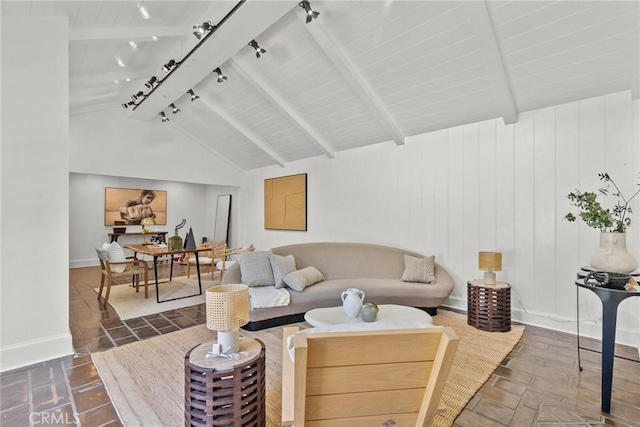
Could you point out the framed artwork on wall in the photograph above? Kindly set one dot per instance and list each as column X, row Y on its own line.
column 285, row 203
column 132, row 205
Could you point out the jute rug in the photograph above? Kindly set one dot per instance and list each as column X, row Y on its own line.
column 146, row 379
column 129, row 304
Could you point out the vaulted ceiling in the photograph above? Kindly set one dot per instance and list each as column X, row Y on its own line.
column 363, row 72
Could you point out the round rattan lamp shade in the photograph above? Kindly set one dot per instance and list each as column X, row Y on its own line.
column 227, row 307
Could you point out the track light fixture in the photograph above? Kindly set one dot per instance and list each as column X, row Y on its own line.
column 164, row 117
column 169, row 65
column 200, row 30
column 259, row 50
column 135, row 96
column 193, row 95
column 311, row 14
column 221, row 77
column 152, row 81
column 174, row 109
column 128, row 104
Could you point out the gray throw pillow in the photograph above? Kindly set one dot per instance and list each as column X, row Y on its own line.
column 255, row 268
column 281, row 266
column 300, row 279
column 419, row 269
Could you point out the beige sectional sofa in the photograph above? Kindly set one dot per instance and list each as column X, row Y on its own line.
column 374, row 269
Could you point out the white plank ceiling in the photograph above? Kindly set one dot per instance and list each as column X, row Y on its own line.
column 363, row 72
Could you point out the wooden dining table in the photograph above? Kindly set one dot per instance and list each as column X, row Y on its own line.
column 157, row 251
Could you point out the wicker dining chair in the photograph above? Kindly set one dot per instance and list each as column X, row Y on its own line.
column 110, row 270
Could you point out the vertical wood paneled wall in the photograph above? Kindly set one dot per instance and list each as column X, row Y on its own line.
column 482, row 186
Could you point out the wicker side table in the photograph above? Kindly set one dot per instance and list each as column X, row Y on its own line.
column 223, row 392
column 489, row 306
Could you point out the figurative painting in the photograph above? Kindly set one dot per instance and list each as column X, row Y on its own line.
column 133, row 205
column 285, row 203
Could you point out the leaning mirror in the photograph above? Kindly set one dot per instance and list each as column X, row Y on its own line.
column 223, row 214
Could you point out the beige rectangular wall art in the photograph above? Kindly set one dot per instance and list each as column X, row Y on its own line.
column 132, row 205
column 285, row 203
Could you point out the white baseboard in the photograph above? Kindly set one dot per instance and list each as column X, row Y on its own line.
column 589, row 328
column 31, row 352
column 83, row 263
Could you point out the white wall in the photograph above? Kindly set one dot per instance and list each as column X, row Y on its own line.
column 34, row 280
column 110, row 143
column 194, row 202
column 483, row 186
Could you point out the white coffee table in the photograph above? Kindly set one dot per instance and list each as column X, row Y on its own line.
column 388, row 312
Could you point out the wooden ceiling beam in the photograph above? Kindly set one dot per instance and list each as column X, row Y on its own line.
column 280, row 104
column 355, row 79
column 242, row 130
column 127, row 33
column 482, row 27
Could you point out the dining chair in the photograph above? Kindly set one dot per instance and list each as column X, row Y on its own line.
column 206, row 258
column 131, row 266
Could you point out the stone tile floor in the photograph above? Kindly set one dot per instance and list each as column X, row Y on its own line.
column 538, row 384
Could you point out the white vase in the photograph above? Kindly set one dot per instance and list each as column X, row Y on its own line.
column 613, row 255
column 352, row 300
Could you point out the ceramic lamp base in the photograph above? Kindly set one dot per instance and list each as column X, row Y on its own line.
column 229, row 341
column 489, row 278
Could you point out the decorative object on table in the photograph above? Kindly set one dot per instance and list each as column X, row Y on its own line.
column 352, row 300
column 119, row 226
column 612, row 223
column 227, row 311
column 175, row 241
column 369, row 312
column 285, row 203
column 145, row 230
column 189, row 240
column 608, row 279
column 490, row 262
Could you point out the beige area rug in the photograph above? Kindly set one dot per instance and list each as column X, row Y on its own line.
column 146, row 379
column 129, row 304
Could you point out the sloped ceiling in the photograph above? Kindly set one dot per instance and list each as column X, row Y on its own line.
column 362, row 73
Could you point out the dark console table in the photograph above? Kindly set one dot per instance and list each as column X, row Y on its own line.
column 114, row 236
column 610, row 299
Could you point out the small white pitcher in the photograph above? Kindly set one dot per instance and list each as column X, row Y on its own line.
column 352, row 300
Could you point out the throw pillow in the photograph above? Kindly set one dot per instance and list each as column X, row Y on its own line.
column 419, row 269
column 281, row 266
column 115, row 253
column 255, row 268
column 300, row 279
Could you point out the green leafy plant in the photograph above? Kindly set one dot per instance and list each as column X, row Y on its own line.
column 595, row 215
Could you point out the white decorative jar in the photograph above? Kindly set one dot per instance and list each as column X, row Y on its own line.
column 352, row 300
column 613, row 255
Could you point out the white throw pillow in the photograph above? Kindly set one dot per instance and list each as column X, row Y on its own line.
column 115, row 253
column 419, row 269
column 255, row 268
column 300, row 279
column 281, row 266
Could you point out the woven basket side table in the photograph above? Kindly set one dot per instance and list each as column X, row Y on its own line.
column 223, row 392
column 489, row 306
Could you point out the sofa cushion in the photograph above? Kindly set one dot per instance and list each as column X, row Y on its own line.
column 256, row 269
column 419, row 269
column 281, row 266
column 300, row 279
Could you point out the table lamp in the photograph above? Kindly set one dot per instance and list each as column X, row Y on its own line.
column 490, row 262
column 227, row 311
column 146, row 221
